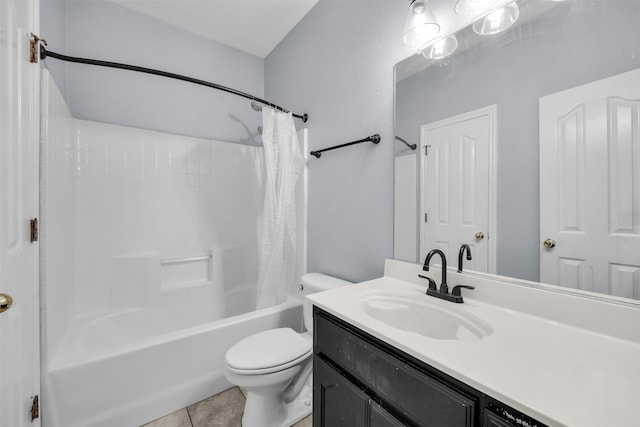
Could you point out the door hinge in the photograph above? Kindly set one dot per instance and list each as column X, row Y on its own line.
column 33, row 230
column 35, row 408
column 34, row 48
column 426, row 217
column 426, row 150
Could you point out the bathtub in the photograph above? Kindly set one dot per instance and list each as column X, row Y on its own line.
column 108, row 373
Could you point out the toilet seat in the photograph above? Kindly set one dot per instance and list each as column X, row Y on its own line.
column 268, row 352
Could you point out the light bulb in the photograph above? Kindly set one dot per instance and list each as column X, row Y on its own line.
column 442, row 48
column 498, row 20
column 421, row 26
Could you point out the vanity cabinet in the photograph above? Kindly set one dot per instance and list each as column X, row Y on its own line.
column 359, row 380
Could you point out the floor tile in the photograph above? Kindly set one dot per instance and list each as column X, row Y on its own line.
column 222, row 410
column 244, row 392
column 176, row 419
column 305, row 422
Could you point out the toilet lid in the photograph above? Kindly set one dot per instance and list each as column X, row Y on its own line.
column 267, row 349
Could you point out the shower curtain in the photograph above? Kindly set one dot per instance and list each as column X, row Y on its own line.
column 283, row 164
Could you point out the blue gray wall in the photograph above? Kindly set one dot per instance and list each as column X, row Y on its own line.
column 560, row 50
column 107, row 31
column 337, row 65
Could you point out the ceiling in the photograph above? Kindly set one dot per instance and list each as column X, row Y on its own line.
column 253, row 26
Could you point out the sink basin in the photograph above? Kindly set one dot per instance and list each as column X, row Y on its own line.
column 418, row 315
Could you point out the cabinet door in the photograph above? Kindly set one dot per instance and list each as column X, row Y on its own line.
column 381, row 418
column 336, row 401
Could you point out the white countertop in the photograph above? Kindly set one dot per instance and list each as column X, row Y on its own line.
column 558, row 373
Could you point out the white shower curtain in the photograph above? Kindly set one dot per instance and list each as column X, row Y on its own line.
column 283, row 163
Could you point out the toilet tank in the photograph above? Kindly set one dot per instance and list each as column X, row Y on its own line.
column 311, row 283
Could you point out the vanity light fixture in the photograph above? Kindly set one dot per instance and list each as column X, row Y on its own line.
column 473, row 7
column 442, row 48
column 498, row 20
column 421, row 26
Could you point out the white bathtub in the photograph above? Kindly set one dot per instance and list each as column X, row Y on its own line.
column 109, row 373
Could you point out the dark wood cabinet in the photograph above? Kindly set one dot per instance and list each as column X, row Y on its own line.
column 362, row 381
column 492, row 420
column 381, row 418
column 340, row 403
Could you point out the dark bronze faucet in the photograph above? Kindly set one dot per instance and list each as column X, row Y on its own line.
column 443, row 292
column 443, row 285
column 461, row 253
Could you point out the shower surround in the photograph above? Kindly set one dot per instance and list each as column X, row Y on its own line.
column 149, row 266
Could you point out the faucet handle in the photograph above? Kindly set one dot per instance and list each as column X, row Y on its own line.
column 457, row 292
column 432, row 283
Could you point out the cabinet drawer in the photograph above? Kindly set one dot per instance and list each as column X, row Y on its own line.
column 498, row 415
column 492, row 420
column 346, row 350
column 417, row 396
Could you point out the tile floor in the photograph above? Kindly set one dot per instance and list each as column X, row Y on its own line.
column 222, row 410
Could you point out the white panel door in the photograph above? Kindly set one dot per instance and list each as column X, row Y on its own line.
column 19, row 131
column 458, row 187
column 590, row 186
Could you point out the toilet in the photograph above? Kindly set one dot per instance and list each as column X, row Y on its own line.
column 274, row 366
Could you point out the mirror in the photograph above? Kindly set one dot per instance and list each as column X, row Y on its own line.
column 554, row 47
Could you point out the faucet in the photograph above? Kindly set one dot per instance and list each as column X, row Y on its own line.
column 443, row 292
column 461, row 253
column 443, row 285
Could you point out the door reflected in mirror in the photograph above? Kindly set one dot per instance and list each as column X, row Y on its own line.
column 566, row 159
column 457, row 180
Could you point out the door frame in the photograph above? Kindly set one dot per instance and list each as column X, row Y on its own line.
column 23, row 123
column 490, row 111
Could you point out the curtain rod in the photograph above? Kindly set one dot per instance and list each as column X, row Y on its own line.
column 373, row 138
column 412, row 146
column 44, row 53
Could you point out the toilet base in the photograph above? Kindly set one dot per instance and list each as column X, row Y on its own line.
column 271, row 411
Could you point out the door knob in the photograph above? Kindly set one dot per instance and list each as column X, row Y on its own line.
column 549, row 243
column 5, row 302
column 479, row 235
